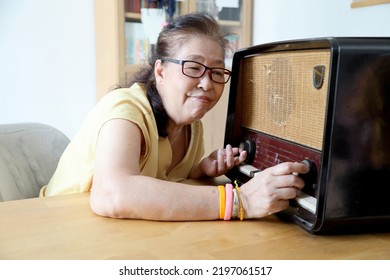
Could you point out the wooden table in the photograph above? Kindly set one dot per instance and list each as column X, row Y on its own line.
column 64, row 227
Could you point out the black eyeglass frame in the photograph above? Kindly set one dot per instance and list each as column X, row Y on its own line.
column 182, row 62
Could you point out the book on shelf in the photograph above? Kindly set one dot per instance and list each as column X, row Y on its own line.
column 135, row 6
column 137, row 43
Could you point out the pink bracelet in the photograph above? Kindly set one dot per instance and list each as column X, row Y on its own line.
column 229, row 201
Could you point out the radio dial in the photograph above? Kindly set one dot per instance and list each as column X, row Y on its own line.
column 250, row 147
column 310, row 177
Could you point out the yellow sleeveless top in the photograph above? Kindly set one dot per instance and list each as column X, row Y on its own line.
column 74, row 172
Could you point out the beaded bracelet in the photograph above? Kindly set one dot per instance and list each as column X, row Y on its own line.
column 236, row 205
column 222, row 201
column 229, row 201
column 242, row 211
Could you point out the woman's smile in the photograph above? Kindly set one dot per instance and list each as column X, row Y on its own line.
column 201, row 98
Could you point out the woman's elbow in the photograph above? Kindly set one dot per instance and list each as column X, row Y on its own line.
column 107, row 205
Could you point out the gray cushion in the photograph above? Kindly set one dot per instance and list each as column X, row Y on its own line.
column 29, row 154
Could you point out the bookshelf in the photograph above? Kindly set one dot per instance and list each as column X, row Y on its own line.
column 136, row 41
column 121, row 47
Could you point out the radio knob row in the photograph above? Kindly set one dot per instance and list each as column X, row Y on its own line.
column 249, row 146
column 304, row 200
column 309, row 178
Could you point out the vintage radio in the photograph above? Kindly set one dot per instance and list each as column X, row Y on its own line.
column 326, row 102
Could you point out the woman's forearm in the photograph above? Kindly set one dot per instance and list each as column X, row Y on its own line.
column 141, row 197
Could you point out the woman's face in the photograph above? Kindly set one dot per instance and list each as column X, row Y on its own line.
column 188, row 99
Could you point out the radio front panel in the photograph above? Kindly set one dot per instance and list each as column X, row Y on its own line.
column 280, row 108
column 324, row 102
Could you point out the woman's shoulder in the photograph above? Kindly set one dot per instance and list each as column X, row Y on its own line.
column 125, row 103
column 136, row 91
column 134, row 96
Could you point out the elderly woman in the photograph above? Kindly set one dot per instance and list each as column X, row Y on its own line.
column 141, row 141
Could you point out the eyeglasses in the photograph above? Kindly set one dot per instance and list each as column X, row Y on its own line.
column 195, row 69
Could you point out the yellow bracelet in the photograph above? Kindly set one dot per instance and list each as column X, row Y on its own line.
column 222, row 201
column 242, row 211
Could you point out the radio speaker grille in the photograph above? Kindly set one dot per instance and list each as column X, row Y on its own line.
column 279, row 96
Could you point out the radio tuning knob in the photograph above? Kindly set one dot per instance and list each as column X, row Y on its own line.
column 310, row 177
column 250, row 147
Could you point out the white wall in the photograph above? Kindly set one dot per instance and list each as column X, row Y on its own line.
column 278, row 20
column 47, row 62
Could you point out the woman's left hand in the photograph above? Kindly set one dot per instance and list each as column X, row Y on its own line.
column 221, row 161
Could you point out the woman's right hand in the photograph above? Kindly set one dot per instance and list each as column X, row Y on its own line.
column 269, row 191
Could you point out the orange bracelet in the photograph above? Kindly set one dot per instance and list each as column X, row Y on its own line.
column 222, row 202
column 229, row 202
